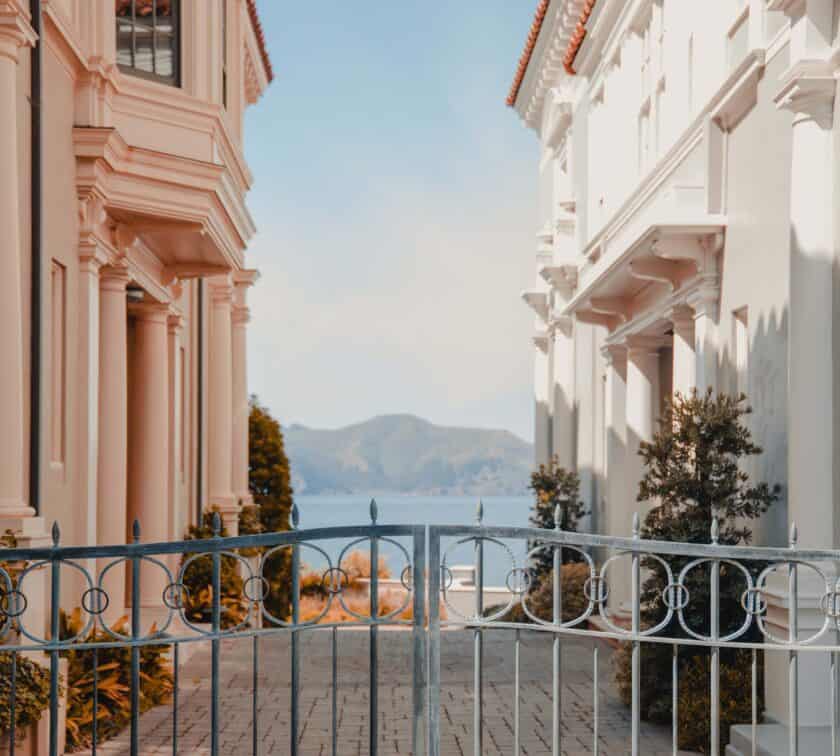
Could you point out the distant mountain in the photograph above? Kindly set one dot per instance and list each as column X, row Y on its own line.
column 405, row 454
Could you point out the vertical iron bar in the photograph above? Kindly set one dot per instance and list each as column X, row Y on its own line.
column 478, row 641
column 793, row 635
column 418, row 584
column 557, row 648
column 635, row 627
column 255, row 689
column 595, row 745
column 95, row 723
column 13, row 697
column 335, row 691
column 374, row 648
column 715, row 635
column 833, row 662
column 295, row 680
column 55, row 593
column 175, row 674
column 433, row 739
column 215, row 643
column 135, row 649
column 675, row 698
column 517, row 745
column 754, row 702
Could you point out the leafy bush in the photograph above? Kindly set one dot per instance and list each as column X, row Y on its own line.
column 694, row 473
column 114, row 682
column 32, row 692
column 554, row 488
column 198, row 579
column 541, row 599
column 32, row 681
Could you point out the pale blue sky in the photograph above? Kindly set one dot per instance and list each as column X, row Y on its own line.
column 395, row 197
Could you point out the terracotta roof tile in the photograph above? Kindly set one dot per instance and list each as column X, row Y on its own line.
column 572, row 48
column 258, row 30
column 525, row 58
column 577, row 38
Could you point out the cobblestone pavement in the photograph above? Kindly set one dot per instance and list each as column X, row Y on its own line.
column 394, row 698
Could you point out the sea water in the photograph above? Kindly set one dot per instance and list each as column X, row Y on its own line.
column 499, row 558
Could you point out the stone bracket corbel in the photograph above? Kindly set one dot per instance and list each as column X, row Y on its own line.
column 615, row 307
column 538, row 302
column 661, row 270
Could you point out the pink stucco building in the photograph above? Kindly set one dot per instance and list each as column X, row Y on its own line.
column 123, row 269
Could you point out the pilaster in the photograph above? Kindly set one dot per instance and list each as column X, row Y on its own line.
column 241, row 316
column 220, row 405
column 685, row 363
column 15, row 33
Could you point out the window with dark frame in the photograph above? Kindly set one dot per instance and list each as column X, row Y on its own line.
column 148, row 39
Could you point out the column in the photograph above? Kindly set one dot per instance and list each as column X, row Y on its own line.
column 177, row 520
column 563, row 390
column 813, row 495
column 642, row 406
column 241, row 409
column 542, row 410
column 112, row 451
column 220, row 406
column 148, row 484
column 15, row 32
column 620, row 503
column 615, row 421
column 685, row 365
column 705, row 305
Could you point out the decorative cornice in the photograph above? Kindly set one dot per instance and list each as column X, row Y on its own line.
column 809, row 95
column 699, row 297
column 246, row 277
column 150, row 312
column 114, row 278
column 164, row 193
column 15, row 29
column 221, row 291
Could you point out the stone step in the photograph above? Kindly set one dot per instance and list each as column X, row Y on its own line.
column 772, row 740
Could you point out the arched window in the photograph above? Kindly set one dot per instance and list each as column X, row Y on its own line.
column 148, row 39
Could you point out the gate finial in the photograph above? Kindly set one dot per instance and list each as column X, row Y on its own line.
column 56, row 533
column 558, row 517
column 479, row 512
column 217, row 524
column 636, row 527
column 374, row 511
column 794, row 534
column 295, row 516
column 715, row 529
column 135, row 530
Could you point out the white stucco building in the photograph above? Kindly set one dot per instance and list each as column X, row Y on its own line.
column 688, row 237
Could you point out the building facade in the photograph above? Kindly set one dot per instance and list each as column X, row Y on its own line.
column 124, row 277
column 688, row 237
